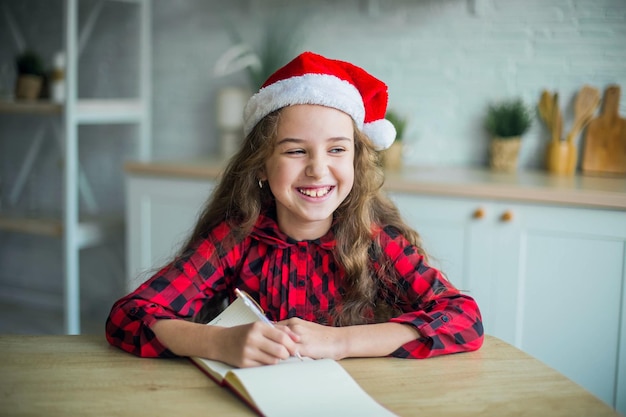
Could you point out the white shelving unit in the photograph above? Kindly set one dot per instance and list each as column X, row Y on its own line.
column 72, row 228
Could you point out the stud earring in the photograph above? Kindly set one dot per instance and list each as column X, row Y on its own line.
column 260, row 184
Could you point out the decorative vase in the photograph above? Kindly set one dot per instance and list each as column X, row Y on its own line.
column 504, row 153
column 561, row 158
column 230, row 104
column 392, row 157
column 28, row 87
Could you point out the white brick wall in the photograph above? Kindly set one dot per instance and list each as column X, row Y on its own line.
column 443, row 60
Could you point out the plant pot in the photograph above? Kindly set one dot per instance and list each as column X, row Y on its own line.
column 504, row 153
column 392, row 157
column 561, row 158
column 28, row 87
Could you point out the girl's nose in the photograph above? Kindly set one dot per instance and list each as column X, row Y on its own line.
column 317, row 166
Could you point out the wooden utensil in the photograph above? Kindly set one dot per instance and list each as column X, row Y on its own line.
column 586, row 103
column 561, row 155
column 585, row 106
column 605, row 140
column 557, row 119
column 545, row 108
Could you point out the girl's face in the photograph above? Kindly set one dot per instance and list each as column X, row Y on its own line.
column 311, row 170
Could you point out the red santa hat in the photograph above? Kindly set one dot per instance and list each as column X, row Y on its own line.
column 313, row 79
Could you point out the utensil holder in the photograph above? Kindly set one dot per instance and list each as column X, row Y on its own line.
column 562, row 158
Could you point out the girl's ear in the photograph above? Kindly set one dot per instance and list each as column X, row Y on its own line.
column 261, row 175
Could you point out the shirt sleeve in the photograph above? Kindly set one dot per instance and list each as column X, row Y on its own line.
column 448, row 321
column 177, row 291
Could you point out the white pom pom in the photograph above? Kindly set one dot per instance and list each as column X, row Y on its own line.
column 381, row 132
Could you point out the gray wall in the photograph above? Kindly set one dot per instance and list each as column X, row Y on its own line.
column 444, row 61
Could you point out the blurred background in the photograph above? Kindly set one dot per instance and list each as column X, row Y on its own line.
column 444, row 61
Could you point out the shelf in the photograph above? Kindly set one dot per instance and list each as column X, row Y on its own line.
column 109, row 111
column 30, row 107
column 90, row 232
column 75, row 231
column 87, row 111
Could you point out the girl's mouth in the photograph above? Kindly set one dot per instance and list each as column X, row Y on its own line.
column 315, row 192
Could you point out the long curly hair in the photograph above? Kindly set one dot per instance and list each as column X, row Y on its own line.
column 239, row 200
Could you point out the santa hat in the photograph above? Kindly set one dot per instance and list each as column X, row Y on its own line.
column 314, row 79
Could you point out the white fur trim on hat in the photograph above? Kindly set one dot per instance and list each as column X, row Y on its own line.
column 322, row 89
column 381, row 132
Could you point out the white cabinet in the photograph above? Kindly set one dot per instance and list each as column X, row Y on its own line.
column 73, row 228
column 549, row 279
column 161, row 214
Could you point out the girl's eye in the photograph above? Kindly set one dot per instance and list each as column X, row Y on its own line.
column 294, row 151
column 337, row 150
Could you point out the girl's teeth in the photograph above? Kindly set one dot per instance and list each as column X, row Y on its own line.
column 315, row 193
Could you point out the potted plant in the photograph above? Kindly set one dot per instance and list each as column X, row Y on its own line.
column 392, row 157
column 506, row 122
column 30, row 75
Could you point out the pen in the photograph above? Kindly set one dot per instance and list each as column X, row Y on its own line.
column 256, row 309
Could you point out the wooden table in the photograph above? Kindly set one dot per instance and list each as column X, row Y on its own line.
column 83, row 375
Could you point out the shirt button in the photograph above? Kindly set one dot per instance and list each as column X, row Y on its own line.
column 301, row 283
column 445, row 319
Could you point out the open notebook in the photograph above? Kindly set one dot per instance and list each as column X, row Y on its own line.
column 293, row 387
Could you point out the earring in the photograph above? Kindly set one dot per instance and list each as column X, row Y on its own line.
column 260, row 184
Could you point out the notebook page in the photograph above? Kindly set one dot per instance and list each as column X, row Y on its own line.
column 234, row 315
column 310, row 388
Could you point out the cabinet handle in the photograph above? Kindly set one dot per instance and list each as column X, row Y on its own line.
column 507, row 216
column 479, row 213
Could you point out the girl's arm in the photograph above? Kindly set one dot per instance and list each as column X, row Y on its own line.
column 436, row 317
column 242, row 346
column 368, row 340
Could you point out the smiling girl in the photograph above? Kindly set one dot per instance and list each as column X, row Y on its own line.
column 299, row 222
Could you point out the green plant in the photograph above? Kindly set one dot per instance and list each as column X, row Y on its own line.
column 508, row 119
column 29, row 62
column 278, row 47
column 398, row 121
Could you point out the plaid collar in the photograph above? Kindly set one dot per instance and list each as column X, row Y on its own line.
column 266, row 230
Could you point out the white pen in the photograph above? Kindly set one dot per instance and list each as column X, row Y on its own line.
column 252, row 305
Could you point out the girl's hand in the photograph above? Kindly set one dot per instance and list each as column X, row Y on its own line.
column 315, row 340
column 255, row 344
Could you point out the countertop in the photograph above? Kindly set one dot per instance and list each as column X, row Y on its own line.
column 523, row 186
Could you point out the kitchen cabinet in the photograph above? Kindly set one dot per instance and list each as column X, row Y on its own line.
column 79, row 229
column 549, row 279
column 161, row 212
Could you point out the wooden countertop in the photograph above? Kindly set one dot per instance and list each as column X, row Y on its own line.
column 524, row 186
column 84, row 376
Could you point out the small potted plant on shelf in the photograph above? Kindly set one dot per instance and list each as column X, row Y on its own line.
column 30, row 75
column 506, row 122
column 392, row 157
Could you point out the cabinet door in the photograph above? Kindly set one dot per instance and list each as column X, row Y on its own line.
column 477, row 246
column 443, row 226
column 549, row 280
column 570, row 292
column 161, row 213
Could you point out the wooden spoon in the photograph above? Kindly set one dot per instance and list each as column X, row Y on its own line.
column 587, row 101
column 545, row 108
column 557, row 119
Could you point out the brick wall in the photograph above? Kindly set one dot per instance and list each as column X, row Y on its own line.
column 444, row 61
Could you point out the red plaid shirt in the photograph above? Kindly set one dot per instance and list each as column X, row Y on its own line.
column 292, row 278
